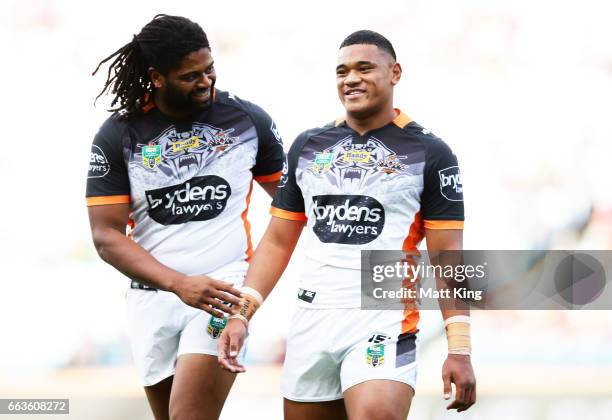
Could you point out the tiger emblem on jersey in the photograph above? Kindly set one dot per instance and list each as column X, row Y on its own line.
column 178, row 151
column 357, row 164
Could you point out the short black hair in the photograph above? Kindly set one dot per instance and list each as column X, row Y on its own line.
column 162, row 43
column 365, row 36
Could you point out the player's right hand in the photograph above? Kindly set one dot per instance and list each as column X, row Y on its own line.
column 457, row 369
column 208, row 294
column 230, row 343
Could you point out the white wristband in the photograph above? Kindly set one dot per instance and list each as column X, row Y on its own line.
column 240, row 317
column 465, row 351
column 457, row 318
column 250, row 291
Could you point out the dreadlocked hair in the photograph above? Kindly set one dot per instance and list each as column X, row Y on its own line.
column 162, row 44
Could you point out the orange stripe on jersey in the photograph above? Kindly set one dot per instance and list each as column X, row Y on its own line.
column 402, row 120
column 288, row 215
column 416, row 232
column 443, row 224
column 111, row 199
column 247, row 224
column 269, row 178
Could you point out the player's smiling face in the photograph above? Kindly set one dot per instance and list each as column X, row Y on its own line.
column 365, row 76
column 189, row 88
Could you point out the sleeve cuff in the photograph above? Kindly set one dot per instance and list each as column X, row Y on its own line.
column 105, row 200
column 269, row 178
column 288, row 215
column 444, row 224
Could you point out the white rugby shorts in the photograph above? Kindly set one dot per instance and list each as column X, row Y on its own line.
column 161, row 328
column 331, row 350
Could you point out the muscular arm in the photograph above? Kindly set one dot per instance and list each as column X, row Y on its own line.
column 457, row 368
column 446, row 240
column 108, row 232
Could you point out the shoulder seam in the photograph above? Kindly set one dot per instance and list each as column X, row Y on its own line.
column 248, row 112
column 314, row 132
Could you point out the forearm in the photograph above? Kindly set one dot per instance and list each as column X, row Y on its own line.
column 444, row 248
column 134, row 261
column 455, row 314
column 269, row 262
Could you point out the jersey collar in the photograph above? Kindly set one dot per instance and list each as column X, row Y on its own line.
column 401, row 120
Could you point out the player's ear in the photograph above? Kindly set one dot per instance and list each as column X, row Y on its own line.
column 396, row 70
column 156, row 78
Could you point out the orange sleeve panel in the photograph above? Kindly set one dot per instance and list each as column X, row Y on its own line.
column 287, row 215
column 443, row 224
column 111, row 199
column 269, row 178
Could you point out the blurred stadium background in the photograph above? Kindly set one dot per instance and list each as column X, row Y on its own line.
column 521, row 90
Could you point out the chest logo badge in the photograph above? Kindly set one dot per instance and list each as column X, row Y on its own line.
column 192, row 142
column 322, row 162
column 151, row 156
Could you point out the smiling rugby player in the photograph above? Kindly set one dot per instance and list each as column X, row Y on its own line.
column 373, row 179
column 176, row 163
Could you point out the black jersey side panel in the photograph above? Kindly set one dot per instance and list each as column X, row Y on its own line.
column 442, row 197
column 107, row 175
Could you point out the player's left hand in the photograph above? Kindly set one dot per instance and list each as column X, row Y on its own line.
column 230, row 343
column 457, row 369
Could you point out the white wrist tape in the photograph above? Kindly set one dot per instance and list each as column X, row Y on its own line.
column 458, row 334
column 240, row 317
column 250, row 302
column 465, row 351
column 250, row 291
column 457, row 318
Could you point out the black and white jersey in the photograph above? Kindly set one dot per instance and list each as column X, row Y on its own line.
column 188, row 183
column 379, row 190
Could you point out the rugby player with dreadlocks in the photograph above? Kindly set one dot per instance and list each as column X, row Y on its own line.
column 173, row 168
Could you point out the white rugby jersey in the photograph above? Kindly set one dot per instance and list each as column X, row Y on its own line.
column 376, row 191
column 188, row 184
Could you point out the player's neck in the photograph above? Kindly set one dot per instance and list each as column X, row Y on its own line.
column 372, row 122
column 169, row 112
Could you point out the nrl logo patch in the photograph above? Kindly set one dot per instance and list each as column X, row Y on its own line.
column 322, row 162
column 151, row 156
column 375, row 355
column 215, row 326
